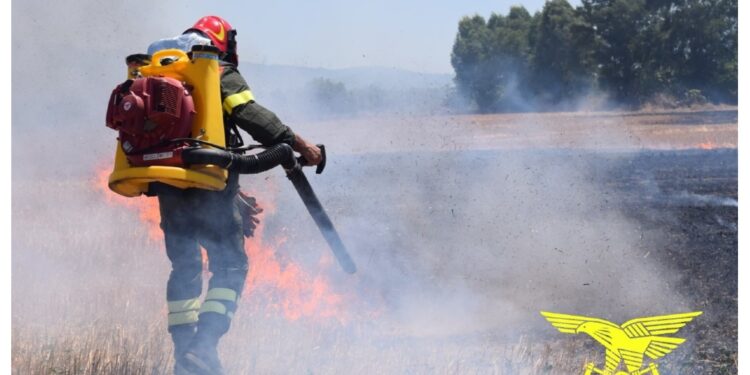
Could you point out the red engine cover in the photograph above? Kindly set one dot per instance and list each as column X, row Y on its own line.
column 148, row 112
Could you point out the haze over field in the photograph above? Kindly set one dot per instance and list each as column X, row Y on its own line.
column 464, row 227
column 82, row 122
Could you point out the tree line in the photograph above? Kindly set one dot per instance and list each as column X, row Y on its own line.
column 635, row 51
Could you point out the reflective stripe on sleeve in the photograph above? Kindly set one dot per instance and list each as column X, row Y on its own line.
column 223, row 294
column 239, row 98
column 185, row 317
column 184, row 305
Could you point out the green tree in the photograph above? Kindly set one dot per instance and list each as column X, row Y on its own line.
column 490, row 57
column 562, row 62
column 632, row 49
column 510, row 55
column 475, row 76
column 703, row 37
column 616, row 26
column 661, row 46
column 330, row 96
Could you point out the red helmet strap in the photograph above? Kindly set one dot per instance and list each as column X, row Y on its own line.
column 231, row 55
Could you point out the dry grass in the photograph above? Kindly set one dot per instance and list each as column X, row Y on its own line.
column 94, row 305
column 103, row 349
column 88, row 299
column 679, row 129
column 88, row 287
column 88, row 350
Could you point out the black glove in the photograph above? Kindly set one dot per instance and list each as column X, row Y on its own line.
column 249, row 210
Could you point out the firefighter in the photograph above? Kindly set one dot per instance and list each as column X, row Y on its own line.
column 214, row 219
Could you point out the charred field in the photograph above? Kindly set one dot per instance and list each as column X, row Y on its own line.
column 689, row 198
column 682, row 205
column 695, row 205
column 459, row 248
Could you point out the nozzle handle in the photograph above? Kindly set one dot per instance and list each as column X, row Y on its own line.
column 322, row 165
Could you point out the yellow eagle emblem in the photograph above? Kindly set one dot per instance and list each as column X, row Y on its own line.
column 628, row 342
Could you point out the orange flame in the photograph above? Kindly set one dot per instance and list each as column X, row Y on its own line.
column 148, row 209
column 708, row 145
column 288, row 287
column 273, row 286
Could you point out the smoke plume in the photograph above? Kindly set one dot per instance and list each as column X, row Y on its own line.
column 455, row 233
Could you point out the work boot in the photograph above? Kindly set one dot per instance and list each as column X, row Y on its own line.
column 202, row 357
column 182, row 336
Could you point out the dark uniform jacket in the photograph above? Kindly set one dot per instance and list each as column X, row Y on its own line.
column 240, row 109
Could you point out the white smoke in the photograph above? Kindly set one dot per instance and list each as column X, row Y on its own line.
column 449, row 240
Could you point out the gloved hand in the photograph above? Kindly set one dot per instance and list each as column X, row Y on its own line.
column 249, row 209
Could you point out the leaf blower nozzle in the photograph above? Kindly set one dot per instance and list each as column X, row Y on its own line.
column 281, row 154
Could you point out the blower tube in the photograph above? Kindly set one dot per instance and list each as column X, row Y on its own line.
column 280, row 154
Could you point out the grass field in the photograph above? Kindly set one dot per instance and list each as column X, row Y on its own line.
column 448, row 218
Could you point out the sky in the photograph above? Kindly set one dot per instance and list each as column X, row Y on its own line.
column 414, row 35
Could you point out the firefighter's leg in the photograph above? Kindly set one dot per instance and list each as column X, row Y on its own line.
column 185, row 284
column 222, row 237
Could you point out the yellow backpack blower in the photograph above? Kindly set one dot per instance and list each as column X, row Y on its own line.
column 172, row 99
column 171, row 130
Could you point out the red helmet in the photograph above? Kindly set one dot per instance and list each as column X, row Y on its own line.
column 218, row 30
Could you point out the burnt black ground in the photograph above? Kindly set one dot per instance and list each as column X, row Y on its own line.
column 683, row 202
column 693, row 201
